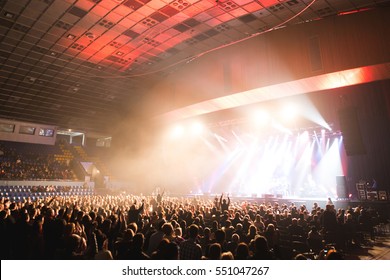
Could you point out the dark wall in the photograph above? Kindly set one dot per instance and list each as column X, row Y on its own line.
column 373, row 116
column 371, row 103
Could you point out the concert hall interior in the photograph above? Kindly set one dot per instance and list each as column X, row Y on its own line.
column 261, row 101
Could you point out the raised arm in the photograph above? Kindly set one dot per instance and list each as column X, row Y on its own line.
column 141, row 208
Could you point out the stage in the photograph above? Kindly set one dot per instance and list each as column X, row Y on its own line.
column 343, row 203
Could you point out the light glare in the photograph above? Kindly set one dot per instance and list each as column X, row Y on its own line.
column 177, row 131
column 289, row 112
column 197, row 128
column 260, row 117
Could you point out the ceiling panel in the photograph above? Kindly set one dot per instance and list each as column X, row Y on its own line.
column 55, row 54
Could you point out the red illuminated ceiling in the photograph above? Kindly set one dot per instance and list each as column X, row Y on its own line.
column 130, row 33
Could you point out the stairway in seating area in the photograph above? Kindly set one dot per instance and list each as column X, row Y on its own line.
column 65, row 157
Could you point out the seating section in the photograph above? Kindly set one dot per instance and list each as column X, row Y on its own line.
column 64, row 155
column 19, row 193
column 26, row 161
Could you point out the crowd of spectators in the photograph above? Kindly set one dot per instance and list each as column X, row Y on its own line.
column 31, row 166
column 147, row 227
column 51, row 189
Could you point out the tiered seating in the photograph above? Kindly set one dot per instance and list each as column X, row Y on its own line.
column 64, row 155
column 26, row 161
column 29, row 148
column 17, row 193
column 81, row 153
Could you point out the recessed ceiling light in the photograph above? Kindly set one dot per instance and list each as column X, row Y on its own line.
column 9, row 15
column 71, row 36
column 90, row 35
column 31, row 79
column 119, row 53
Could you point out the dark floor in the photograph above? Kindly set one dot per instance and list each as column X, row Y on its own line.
column 376, row 248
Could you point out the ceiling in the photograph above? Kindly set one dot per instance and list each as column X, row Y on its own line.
column 86, row 64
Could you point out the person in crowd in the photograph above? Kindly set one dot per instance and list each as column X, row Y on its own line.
column 133, row 216
column 160, row 197
column 224, row 204
column 258, row 223
column 242, row 252
column 315, row 240
column 178, row 236
column 261, row 250
column 168, row 231
column 137, row 252
column 295, row 229
column 156, row 237
column 272, row 235
column 102, row 247
column 122, row 247
column 227, row 256
column 161, row 250
column 252, row 232
column 205, row 240
column 215, row 252
column 190, row 249
column 233, row 243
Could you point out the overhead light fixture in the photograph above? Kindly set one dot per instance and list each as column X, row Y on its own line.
column 31, row 80
column 9, row 15
column 73, row 89
column 71, row 36
column 90, row 35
